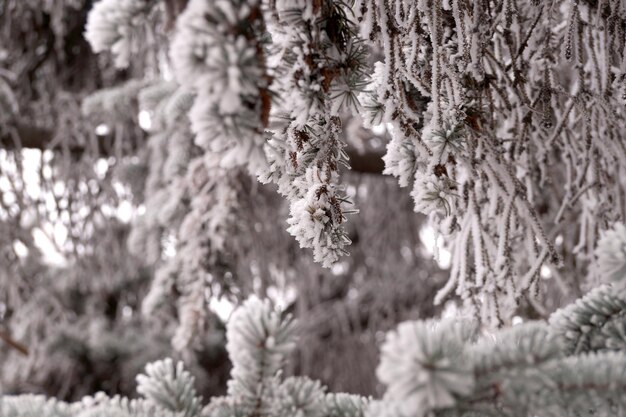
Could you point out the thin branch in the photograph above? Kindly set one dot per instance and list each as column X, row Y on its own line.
column 20, row 347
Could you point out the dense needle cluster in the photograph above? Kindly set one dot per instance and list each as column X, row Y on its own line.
column 218, row 51
column 504, row 120
column 444, row 368
column 505, row 117
column 318, row 62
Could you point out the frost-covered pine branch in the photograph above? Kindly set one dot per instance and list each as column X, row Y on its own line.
column 319, row 64
column 563, row 368
column 443, row 368
column 424, row 367
column 218, row 51
column 112, row 25
column 170, row 386
column 594, row 322
column 597, row 321
column 259, row 340
column 504, row 117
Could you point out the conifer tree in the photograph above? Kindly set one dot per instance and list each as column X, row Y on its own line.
column 502, row 119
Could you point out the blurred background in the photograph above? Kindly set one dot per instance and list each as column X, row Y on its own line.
column 117, row 247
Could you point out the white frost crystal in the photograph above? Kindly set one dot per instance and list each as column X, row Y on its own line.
column 433, row 194
column 258, row 339
column 401, row 159
column 424, row 367
column 226, row 70
column 300, row 397
column 170, row 386
column 315, row 219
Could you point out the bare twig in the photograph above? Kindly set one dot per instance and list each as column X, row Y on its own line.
column 20, row 347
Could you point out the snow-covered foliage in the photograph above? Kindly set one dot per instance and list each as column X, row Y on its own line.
column 430, row 368
column 218, row 51
column 318, row 62
column 504, row 120
column 505, row 116
column 424, row 366
column 259, row 340
column 594, row 322
column 112, row 25
column 447, row 368
column 312, row 218
column 169, row 386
